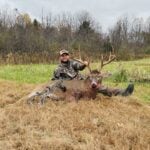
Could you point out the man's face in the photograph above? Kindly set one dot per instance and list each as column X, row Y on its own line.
column 64, row 57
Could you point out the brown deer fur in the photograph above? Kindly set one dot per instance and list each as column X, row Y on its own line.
column 73, row 90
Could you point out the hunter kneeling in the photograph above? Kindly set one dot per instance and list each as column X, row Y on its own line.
column 69, row 69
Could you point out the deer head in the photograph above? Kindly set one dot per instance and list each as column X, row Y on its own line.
column 95, row 76
column 94, row 79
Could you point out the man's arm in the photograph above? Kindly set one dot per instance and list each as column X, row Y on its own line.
column 61, row 73
column 56, row 74
column 79, row 66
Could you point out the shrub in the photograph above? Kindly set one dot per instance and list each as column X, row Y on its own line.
column 120, row 76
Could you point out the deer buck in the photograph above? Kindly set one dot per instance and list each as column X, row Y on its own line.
column 72, row 90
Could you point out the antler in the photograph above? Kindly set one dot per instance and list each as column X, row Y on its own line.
column 81, row 61
column 111, row 58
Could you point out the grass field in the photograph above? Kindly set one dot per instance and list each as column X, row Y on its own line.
column 103, row 124
column 123, row 73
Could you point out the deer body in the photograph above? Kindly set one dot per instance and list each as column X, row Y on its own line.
column 77, row 89
column 69, row 90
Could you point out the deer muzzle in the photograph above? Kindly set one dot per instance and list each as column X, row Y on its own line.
column 94, row 85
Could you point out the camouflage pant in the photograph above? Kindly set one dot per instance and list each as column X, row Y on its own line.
column 109, row 91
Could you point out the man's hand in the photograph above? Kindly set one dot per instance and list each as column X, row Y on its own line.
column 86, row 63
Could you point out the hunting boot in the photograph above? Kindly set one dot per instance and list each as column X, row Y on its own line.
column 126, row 92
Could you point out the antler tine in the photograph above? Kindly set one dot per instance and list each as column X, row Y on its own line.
column 111, row 58
column 102, row 60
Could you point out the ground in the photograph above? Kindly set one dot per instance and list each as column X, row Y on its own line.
column 105, row 123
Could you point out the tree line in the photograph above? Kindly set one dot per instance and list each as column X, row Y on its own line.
column 25, row 40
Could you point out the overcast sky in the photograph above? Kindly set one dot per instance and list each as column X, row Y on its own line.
column 106, row 12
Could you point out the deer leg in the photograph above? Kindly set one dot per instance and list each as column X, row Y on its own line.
column 77, row 96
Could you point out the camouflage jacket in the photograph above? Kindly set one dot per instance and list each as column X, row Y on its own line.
column 68, row 71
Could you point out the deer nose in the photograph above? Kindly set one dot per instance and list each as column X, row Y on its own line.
column 94, row 85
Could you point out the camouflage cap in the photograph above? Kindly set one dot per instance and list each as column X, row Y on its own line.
column 64, row 52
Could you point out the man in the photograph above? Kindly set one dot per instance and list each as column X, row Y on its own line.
column 69, row 69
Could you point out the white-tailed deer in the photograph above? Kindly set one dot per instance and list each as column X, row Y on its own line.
column 71, row 90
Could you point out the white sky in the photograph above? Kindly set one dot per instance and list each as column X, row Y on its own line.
column 106, row 12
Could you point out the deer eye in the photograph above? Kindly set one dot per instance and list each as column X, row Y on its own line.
column 99, row 79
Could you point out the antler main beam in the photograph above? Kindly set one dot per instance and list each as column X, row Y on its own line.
column 111, row 58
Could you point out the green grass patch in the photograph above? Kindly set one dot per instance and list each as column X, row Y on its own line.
column 33, row 73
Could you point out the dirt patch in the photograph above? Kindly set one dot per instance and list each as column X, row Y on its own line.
column 106, row 123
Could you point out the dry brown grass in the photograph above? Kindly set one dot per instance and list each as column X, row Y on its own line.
column 106, row 123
